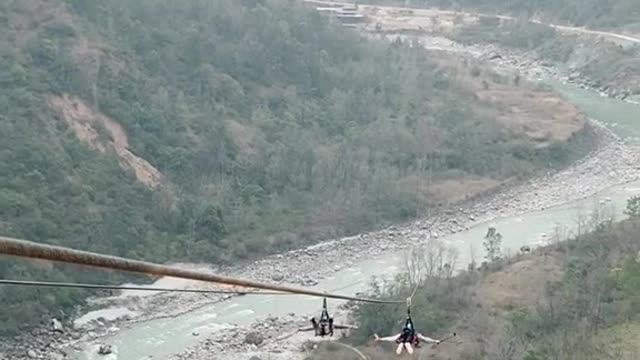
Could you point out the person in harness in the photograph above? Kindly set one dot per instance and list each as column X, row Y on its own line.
column 325, row 326
column 408, row 338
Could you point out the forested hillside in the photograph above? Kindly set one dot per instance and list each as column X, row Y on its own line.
column 593, row 13
column 217, row 130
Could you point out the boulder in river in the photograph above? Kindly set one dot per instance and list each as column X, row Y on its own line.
column 574, row 75
column 105, row 350
column 253, row 338
column 56, row 326
column 310, row 282
column 493, row 56
column 31, row 354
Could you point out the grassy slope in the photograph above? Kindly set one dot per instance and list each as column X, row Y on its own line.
column 621, row 340
column 271, row 128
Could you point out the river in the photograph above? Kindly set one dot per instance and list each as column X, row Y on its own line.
column 619, row 116
column 160, row 338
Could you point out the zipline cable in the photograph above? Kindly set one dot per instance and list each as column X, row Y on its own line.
column 139, row 288
column 136, row 288
column 410, row 298
column 415, row 289
column 28, row 249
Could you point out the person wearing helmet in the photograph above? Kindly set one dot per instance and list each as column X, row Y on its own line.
column 407, row 338
column 325, row 326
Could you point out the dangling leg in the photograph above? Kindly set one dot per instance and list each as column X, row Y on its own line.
column 399, row 349
column 330, row 326
column 315, row 325
column 409, row 348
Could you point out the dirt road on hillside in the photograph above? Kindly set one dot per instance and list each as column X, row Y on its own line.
column 429, row 12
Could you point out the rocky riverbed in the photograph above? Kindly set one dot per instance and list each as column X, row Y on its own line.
column 524, row 62
column 258, row 341
column 535, row 67
column 49, row 342
column 269, row 339
column 436, row 28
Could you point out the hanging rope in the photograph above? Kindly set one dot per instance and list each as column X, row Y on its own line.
column 410, row 298
column 415, row 289
column 136, row 288
column 362, row 356
column 28, row 249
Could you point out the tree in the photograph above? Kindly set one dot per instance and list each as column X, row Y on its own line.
column 633, row 207
column 493, row 244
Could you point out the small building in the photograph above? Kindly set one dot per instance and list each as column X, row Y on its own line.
column 347, row 14
column 327, row 10
column 353, row 8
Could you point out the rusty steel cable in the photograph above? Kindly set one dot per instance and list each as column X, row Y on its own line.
column 126, row 287
column 28, row 249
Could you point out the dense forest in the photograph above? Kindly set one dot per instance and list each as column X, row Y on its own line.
column 576, row 299
column 271, row 128
column 594, row 13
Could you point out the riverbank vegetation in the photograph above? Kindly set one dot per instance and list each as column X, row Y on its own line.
column 218, row 131
column 606, row 64
column 573, row 299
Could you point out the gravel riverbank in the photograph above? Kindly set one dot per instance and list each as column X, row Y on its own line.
column 524, row 62
column 269, row 339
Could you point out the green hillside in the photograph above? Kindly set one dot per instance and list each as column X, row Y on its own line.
column 268, row 129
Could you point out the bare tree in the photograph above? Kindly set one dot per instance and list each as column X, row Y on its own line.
column 493, row 244
column 434, row 259
column 582, row 222
column 472, row 254
column 559, row 235
column 451, row 262
column 414, row 265
column 430, row 264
